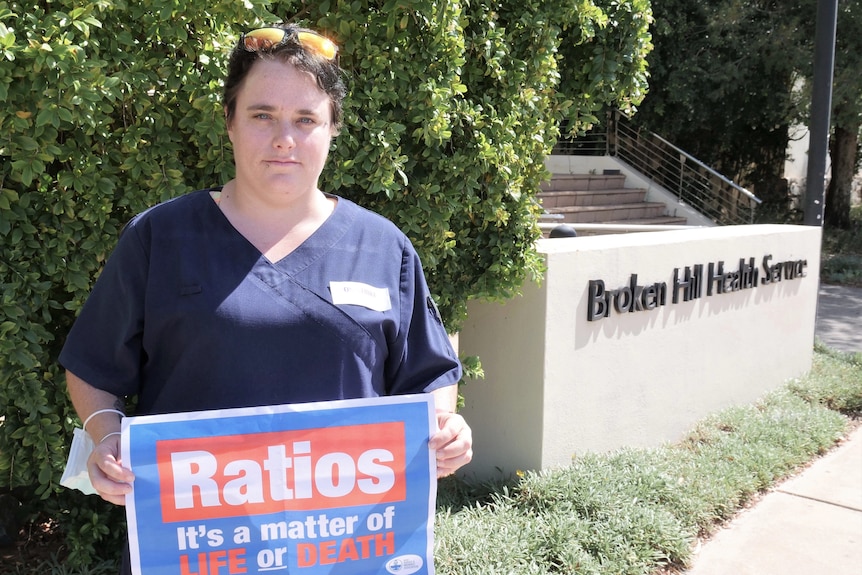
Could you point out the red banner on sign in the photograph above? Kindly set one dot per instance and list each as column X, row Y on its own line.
column 261, row 473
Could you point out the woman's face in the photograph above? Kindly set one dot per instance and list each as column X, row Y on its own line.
column 281, row 132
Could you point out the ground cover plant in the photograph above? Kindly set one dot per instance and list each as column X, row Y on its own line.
column 633, row 511
column 636, row 511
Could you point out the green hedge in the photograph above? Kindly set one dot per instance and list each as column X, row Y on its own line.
column 111, row 106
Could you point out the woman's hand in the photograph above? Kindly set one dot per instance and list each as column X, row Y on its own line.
column 100, row 411
column 453, row 443
column 110, row 479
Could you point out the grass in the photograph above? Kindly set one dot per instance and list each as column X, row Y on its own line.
column 636, row 511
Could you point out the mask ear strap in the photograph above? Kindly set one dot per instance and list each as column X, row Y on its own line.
column 109, row 435
column 95, row 413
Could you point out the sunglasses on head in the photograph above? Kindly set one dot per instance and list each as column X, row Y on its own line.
column 268, row 38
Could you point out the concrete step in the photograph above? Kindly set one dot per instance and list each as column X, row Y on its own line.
column 600, row 199
column 656, row 221
column 611, row 212
column 574, row 182
column 562, row 198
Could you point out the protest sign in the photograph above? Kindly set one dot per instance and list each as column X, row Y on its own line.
column 341, row 487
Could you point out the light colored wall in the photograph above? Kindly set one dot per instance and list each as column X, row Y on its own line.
column 558, row 385
column 796, row 165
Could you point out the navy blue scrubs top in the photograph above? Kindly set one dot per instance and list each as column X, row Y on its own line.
column 188, row 315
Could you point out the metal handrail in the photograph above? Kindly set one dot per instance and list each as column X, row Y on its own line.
column 690, row 180
column 705, row 167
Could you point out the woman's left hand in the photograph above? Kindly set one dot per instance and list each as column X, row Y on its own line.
column 453, row 443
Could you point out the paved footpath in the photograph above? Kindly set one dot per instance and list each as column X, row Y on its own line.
column 812, row 523
column 808, row 525
column 839, row 318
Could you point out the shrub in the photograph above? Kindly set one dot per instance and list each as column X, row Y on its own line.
column 111, row 106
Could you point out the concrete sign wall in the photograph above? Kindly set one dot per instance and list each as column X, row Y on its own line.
column 630, row 339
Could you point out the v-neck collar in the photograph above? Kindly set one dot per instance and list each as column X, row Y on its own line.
column 309, row 251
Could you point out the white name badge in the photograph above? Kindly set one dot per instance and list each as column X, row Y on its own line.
column 356, row 293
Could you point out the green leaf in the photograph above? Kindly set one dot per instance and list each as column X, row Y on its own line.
column 8, row 327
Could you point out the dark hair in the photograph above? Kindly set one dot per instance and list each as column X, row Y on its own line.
column 326, row 72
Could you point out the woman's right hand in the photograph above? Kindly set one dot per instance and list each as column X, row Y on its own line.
column 110, row 479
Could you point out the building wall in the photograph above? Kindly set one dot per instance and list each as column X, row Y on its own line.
column 796, row 166
column 558, row 385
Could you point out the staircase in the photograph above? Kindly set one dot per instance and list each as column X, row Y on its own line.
column 600, row 199
column 694, row 184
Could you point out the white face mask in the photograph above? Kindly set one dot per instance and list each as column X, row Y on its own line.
column 76, row 476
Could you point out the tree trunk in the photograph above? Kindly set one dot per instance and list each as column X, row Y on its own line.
column 843, row 150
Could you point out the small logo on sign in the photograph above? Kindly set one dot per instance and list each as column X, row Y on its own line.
column 404, row 565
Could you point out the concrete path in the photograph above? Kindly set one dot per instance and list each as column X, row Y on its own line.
column 809, row 525
column 839, row 318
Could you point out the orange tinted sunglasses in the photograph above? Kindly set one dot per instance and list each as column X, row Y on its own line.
column 268, row 38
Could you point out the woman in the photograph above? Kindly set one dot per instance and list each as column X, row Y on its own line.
column 266, row 290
